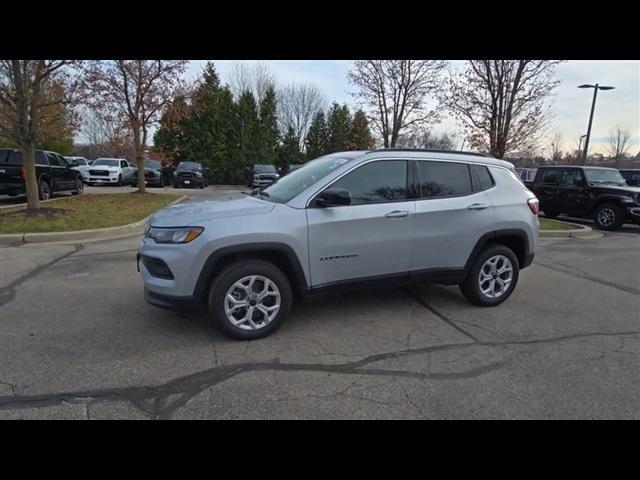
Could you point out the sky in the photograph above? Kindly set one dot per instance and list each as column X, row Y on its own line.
column 570, row 107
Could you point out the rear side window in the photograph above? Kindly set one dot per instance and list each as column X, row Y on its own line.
column 551, row 177
column 481, row 178
column 41, row 158
column 571, row 177
column 376, row 182
column 4, row 154
column 443, row 179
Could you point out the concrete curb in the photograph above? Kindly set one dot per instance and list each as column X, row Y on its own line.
column 579, row 232
column 107, row 233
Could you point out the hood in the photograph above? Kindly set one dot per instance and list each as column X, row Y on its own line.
column 190, row 213
column 615, row 189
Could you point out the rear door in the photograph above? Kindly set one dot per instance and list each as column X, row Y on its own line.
column 452, row 212
column 372, row 236
column 547, row 189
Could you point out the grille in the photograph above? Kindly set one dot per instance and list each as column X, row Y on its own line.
column 186, row 175
column 99, row 173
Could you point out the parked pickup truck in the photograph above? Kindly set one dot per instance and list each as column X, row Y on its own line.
column 116, row 171
column 632, row 176
column 587, row 192
column 53, row 172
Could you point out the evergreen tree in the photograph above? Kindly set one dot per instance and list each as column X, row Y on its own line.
column 268, row 134
column 339, row 127
column 289, row 152
column 317, row 140
column 169, row 138
column 247, row 130
column 360, row 137
column 209, row 130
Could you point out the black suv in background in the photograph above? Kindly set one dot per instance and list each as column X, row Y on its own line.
column 189, row 174
column 632, row 176
column 153, row 174
column 587, row 192
column 53, row 172
column 261, row 176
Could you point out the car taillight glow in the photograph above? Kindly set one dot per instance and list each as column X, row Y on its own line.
column 23, row 172
column 534, row 205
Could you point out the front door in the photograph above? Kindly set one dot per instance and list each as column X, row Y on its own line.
column 372, row 236
column 59, row 180
column 573, row 196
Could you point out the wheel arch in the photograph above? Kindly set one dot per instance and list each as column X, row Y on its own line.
column 516, row 239
column 279, row 254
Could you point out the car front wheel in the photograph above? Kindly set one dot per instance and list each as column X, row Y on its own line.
column 79, row 190
column 493, row 277
column 609, row 216
column 250, row 299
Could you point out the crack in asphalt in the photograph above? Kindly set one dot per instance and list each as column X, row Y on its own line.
column 157, row 402
column 586, row 276
column 441, row 316
column 7, row 293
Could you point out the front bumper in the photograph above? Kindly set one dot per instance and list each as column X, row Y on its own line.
column 102, row 179
column 171, row 302
column 633, row 214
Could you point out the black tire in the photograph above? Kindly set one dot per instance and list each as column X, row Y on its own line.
column 609, row 216
column 119, row 182
column 89, row 184
column 471, row 287
column 79, row 188
column 230, row 275
column 44, row 190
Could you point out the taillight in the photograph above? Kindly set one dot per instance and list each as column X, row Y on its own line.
column 23, row 172
column 534, row 205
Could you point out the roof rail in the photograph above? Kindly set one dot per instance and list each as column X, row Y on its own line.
column 477, row 154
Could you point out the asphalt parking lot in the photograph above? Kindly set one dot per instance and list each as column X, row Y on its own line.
column 78, row 341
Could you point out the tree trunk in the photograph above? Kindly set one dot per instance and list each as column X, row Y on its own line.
column 31, row 182
column 139, row 160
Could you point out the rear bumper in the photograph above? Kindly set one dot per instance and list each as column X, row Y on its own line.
column 12, row 188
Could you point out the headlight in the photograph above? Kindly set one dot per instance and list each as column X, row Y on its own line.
column 173, row 235
column 198, row 174
column 175, row 174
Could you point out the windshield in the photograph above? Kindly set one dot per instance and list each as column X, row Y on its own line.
column 264, row 169
column 604, row 176
column 153, row 164
column 296, row 182
column 189, row 166
column 107, row 162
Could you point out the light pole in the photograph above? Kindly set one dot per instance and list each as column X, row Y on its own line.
column 595, row 87
column 580, row 144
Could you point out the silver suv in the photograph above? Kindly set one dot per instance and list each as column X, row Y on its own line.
column 349, row 218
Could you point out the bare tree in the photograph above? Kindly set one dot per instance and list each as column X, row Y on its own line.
column 555, row 149
column 619, row 142
column 502, row 104
column 26, row 98
column 427, row 139
column 297, row 105
column 256, row 79
column 136, row 91
column 394, row 93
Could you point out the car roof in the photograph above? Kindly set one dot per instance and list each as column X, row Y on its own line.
column 471, row 157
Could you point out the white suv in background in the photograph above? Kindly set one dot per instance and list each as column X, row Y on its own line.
column 115, row 171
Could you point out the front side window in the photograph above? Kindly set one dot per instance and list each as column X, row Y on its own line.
column 443, row 179
column 123, row 164
column 376, row 182
column 571, row 178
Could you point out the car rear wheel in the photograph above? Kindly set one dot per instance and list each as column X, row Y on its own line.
column 250, row 299
column 609, row 216
column 493, row 277
column 44, row 190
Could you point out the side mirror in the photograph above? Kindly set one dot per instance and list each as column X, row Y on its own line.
column 333, row 197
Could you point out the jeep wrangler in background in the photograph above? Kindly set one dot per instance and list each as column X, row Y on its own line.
column 597, row 193
column 53, row 172
column 345, row 219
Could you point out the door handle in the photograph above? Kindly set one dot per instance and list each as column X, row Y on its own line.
column 397, row 214
column 477, row 206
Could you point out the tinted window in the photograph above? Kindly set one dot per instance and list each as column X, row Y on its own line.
column 482, row 179
column 153, row 164
column 53, row 160
column 264, row 169
column 551, row 177
column 4, row 154
column 41, row 158
column 570, row 178
column 443, row 179
column 14, row 158
column 376, row 182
